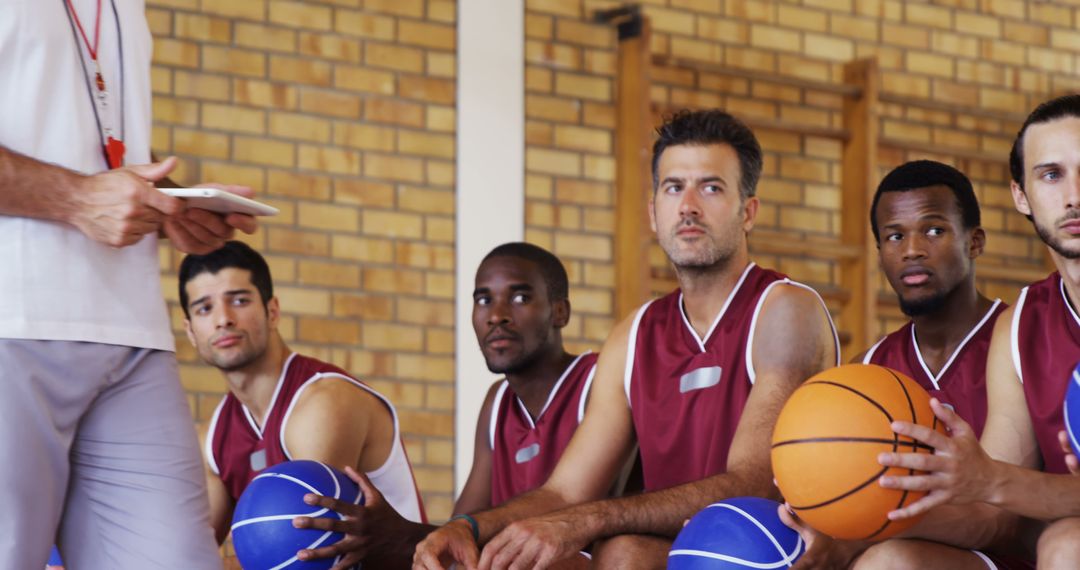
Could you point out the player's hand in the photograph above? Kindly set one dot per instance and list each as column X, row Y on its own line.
column 118, row 207
column 199, row 231
column 450, row 543
column 536, row 543
column 373, row 528
column 959, row 471
column 1070, row 458
column 822, row 551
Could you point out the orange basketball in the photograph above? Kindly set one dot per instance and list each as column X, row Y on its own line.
column 826, row 443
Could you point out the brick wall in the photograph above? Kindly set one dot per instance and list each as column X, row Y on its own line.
column 981, row 61
column 340, row 113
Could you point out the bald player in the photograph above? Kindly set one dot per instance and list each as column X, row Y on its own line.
column 696, row 378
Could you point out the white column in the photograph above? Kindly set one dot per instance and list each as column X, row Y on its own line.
column 490, row 181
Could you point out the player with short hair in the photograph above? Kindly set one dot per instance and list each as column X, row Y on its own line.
column 281, row 405
column 697, row 377
column 926, row 222
column 1019, row 470
column 520, row 306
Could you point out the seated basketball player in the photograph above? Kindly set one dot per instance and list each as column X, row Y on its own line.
column 1019, row 469
column 520, row 306
column 696, row 377
column 281, row 405
column 926, row 222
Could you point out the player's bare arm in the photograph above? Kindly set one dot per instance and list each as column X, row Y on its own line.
column 789, row 346
column 1002, row 470
column 346, row 427
column 585, row 471
column 476, row 495
column 221, row 506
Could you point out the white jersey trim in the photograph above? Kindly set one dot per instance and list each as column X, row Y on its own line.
column 986, row 559
column 631, row 350
column 1065, row 297
column 585, row 394
column 716, row 321
column 521, row 405
column 397, row 451
column 553, row 392
column 872, row 350
column 257, row 427
column 494, row 419
column 750, row 372
column 1014, row 333
column 208, row 445
column 936, row 379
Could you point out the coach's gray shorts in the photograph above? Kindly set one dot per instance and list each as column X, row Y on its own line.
column 98, row 452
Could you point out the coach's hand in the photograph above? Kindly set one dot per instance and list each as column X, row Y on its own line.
column 450, row 543
column 118, row 207
column 536, row 543
column 198, row 231
column 1070, row 458
column 959, row 471
column 373, row 529
column 822, row 552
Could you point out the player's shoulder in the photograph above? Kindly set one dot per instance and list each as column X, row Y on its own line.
column 331, row 392
column 790, row 298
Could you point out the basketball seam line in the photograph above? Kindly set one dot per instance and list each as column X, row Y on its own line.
column 894, row 442
column 857, row 488
column 784, row 556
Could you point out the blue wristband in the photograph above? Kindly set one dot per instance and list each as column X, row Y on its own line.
column 472, row 523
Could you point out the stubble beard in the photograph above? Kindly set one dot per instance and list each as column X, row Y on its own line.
column 715, row 251
column 1054, row 242
column 524, row 361
column 238, row 362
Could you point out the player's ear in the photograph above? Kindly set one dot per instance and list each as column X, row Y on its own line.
column 1020, row 199
column 560, row 313
column 977, row 243
column 273, row 312
column 187, row 330
column 750, row 210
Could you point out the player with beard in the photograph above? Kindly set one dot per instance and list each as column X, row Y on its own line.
column 281, row 405
column 1019, row 470
column 926, row 222
column 697, row 377
column 520, row 306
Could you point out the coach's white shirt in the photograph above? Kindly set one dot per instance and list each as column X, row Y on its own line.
column 55, row 283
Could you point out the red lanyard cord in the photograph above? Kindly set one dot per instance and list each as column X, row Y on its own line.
column 92, row 48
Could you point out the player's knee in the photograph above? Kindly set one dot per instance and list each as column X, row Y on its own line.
column 631, row 551
column 1059, row 544
column 896, row 554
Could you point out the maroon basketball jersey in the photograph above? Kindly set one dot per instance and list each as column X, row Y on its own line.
column 1046, row 346
column 686, row 393
column 523, row 451
column 237, row 448
column 961, row 383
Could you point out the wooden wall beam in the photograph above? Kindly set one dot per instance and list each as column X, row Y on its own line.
column 859, row 168
column 633, row 176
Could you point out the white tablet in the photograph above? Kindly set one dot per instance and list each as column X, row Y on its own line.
column 220, row 201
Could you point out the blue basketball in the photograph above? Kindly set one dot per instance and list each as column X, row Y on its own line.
column 262, row 530
column 1072, row 410
column 743, row 532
